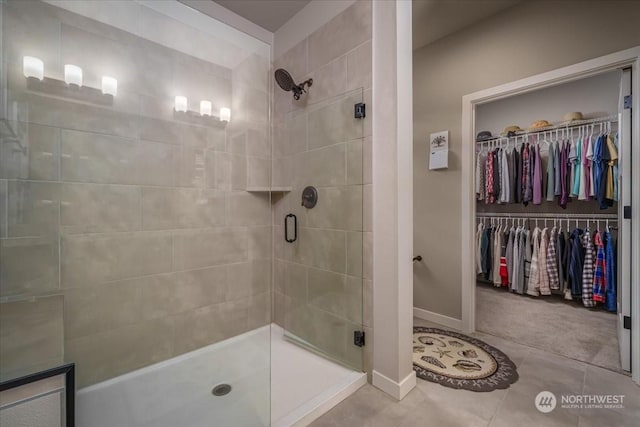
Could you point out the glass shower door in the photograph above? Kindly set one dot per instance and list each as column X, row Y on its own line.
column 320, row 275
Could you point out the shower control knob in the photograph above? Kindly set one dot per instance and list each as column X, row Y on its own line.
column 309, row 197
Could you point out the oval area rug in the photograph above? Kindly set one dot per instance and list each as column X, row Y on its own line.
column 459, row 361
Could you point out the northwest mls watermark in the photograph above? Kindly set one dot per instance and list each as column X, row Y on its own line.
column 546, row 401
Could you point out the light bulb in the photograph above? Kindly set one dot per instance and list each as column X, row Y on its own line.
column 73, row 75
column 180, row 104
column 33, row 67
column 109, row 86
column 205, row 108
column 225, row 114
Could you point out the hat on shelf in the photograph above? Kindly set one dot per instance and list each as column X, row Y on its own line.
column 539, row 124
column 511, row 130
column 572, row 117
column 483, row 135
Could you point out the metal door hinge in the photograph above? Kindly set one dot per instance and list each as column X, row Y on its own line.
column 628, row 101
column 626, row 212
column 358, row 338
column 626, row 322
column 359, row 110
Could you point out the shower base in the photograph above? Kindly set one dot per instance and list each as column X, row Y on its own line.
column 273, row 382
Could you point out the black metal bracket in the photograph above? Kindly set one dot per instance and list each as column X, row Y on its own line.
column 358, row 338
column 299, row 89
column 626, row 322
column 359, row 110
column 626, row 212
column 286, row 228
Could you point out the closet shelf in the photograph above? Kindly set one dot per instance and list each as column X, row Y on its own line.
column 559, row 126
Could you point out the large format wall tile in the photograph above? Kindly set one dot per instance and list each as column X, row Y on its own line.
column 95, row 208
column 249, row 208
column 323, row 167
column 333, row 122
column 344, row 32
column 169, row 208
column 31, row 208
column 28, row 266
column 33, row 155
column 31, row 336
column 337, row 208
column 102, row 356
column 325, row 249
column 88, row 260
column 209, row 247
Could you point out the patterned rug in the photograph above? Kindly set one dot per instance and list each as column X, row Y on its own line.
column 460, row 361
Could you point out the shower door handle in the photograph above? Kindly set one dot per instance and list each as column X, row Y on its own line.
column 286, row 228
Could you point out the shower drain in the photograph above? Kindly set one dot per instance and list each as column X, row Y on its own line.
column 221, row 390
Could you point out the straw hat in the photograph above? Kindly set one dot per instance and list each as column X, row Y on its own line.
column 572, row 117
column 539, row 124
column 483, row 135
column 511, row 130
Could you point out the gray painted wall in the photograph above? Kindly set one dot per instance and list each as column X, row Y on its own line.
column 525, row 40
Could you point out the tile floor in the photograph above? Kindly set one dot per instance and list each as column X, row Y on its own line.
column 431, row 404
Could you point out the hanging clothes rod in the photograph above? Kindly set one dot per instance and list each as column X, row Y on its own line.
column 560, row 126
column 547, row 216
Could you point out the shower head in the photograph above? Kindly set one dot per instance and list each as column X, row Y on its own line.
column 286, row 82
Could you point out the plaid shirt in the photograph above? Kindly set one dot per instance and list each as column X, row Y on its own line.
column 599, row 279
column 552, row 261
column 527, row 190
column 587, row 271
column 490, row 197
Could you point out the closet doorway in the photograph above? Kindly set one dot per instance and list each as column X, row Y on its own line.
column 537, row 296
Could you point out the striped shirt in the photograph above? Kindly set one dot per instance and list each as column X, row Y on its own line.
column 599, row 278
column 587, row 271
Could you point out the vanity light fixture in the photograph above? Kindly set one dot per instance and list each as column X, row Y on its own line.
column 33, row 67
column 205, row 108
column 73, row 75
column 225, row 114
column 180, row 104
column 109, row 86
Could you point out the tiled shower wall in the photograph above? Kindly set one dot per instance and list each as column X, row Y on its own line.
column 127, row 233
column 322, row 283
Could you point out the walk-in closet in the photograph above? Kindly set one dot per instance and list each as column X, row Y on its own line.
column 552, row 260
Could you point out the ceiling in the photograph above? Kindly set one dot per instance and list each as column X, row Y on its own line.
column 434, row 19
column 269, row 14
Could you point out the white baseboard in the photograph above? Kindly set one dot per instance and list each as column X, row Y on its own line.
column 392, row 388
column 440, row 319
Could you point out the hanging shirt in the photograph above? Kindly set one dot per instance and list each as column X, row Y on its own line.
column 527, row 189
column 615, row 170
column 525, row 258
column 599, row 274
column 576, row 263
column 509, row 254
column 490, row 198
column 587, row 271
column 550, row 174
column 589, row 175
column 583, row 184
column 564, row 175
column 484, row 250
column 575, row 188
column 557, row 188
column 537, row 177
column 481, row 162
column 479, row 248
column 497, row 166
column 611, row 176
column 518, row 176
column 505, row 190
column 512, row 161
column 561, row 261
column 515, row 257
column 552, row 260
column 601, row 192
column 534, row 272
column 611, row 273
column 599, row 169
column 543, row 283
column 497, row 249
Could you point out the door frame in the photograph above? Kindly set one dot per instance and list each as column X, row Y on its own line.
column 626, row 58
